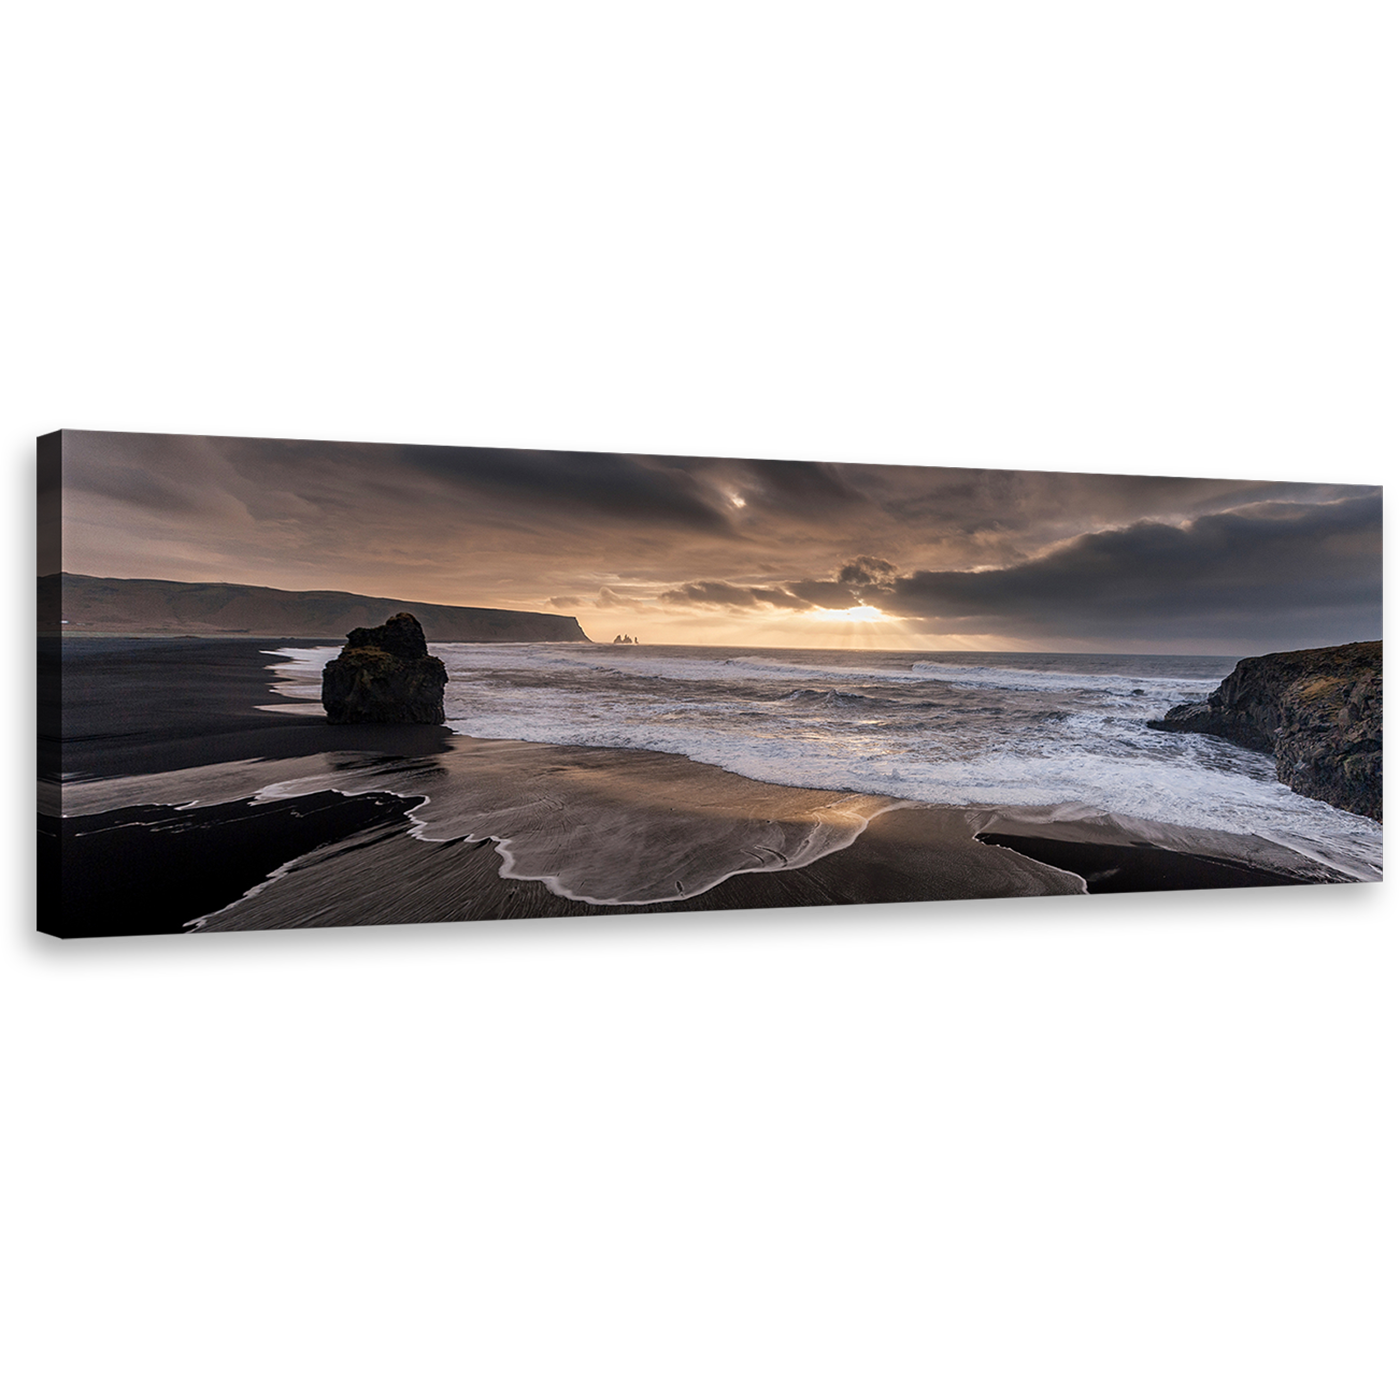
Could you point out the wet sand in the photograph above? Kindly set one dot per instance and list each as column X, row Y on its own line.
column 412, row 824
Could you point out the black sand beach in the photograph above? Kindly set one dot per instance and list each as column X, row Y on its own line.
column 138, row 715
column 1109, row 868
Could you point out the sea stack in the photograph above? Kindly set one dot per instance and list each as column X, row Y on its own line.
column 1318, row 712
column 384, row 675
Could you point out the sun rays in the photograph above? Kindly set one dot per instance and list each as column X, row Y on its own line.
column 862, row 627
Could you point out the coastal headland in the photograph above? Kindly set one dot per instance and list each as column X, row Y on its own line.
column 75, row 604
column 1317, row 711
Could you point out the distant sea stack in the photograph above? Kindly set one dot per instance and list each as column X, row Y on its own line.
column 384, row 675
column 162, row 607
column 1318, row 712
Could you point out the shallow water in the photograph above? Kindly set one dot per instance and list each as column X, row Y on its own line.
column 957, row 728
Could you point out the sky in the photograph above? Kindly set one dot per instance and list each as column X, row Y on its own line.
column 730, row 552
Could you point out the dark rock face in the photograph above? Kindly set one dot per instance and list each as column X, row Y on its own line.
column 384, row 675
column 1318, row 712
column 401, row 636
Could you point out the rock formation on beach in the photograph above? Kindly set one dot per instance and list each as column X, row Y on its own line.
column 1318, row 712
column 384, row 675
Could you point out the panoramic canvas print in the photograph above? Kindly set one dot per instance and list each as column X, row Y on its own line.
column 291, row 684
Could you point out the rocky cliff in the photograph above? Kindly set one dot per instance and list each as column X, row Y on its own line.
column 155, row 607
column 1318, row 712
column 384, row 675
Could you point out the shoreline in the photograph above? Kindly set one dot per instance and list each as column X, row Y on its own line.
column 509, row 829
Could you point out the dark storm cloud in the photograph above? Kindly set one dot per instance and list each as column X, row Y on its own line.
column 262, row 479
column 658, row 490
column 824, row 593
column 1217, row 575
column 982, row 516
column 799, row 595
column 333, row 483
column 712, row 593
column 854, row 579
column 778, row 598
column 141, row 470
column 803, row 490
column 967, row 551
column 959, row 500
column 866, row 570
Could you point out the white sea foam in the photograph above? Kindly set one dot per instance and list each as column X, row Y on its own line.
column 591, row 831
column 1041, row 732
column 299, row 669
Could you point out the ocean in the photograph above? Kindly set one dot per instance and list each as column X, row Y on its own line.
column 949, row 728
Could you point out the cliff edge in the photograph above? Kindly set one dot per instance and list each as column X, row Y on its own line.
column 1318, row 712
column 75, row 603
